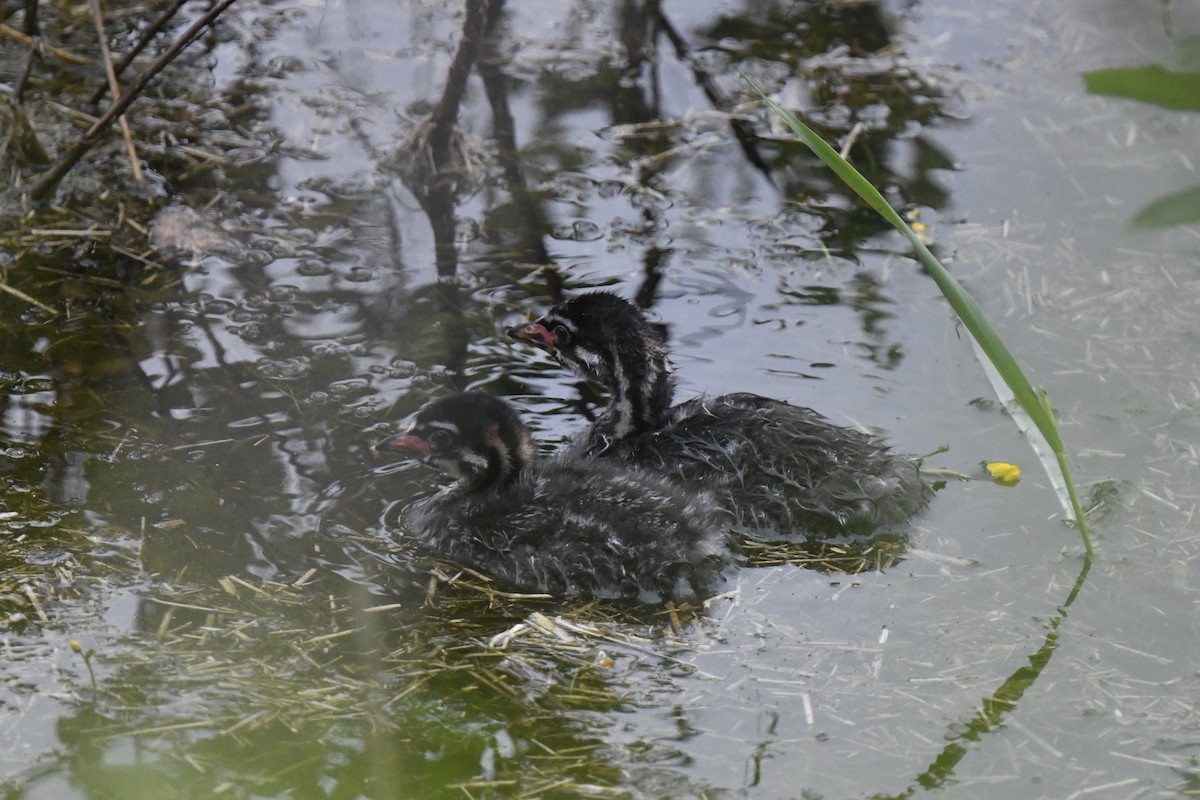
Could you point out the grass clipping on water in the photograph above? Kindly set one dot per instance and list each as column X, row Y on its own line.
column 998, row 361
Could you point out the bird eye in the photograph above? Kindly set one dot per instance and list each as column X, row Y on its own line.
column 561, row 335
column 440, row 440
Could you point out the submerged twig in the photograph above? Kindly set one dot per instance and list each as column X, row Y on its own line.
column 17, row 293
column 32, row 38
column 22, row 141
column 35, row 602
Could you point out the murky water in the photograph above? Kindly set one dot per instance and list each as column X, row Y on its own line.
column 188, row 489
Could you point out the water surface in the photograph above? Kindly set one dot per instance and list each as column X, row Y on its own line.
column 188, row 489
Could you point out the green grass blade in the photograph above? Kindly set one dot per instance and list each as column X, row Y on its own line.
column 1154, row 84
column 1181, row 208
column 962, row 303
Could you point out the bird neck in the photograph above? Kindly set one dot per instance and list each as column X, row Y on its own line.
column 642, row 383
column 507, row 452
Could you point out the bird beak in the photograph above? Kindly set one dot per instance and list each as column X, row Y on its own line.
column 405, row 443
column 536, row 334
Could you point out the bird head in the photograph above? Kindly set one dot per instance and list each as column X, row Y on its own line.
column 473, row 437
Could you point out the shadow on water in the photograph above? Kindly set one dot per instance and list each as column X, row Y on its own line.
column 187, row 405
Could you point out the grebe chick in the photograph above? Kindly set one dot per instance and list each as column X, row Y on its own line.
column 561, row 526
column 775, row 466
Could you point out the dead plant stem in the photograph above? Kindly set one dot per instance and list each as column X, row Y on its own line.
column 10, row 32
column 130, row 149
column 147, row 35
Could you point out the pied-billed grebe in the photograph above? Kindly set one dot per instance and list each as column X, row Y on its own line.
column 774, row 465
column 562, row 526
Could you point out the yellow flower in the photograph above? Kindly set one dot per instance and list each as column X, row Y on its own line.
column 1002, row 473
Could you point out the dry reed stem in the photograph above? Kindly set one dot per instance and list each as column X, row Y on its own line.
column 147, row 34
column 28, row 41
column 115, row 88
column 17, row 293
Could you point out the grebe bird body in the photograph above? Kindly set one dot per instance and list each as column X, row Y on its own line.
column 561, row 526
column 775, row 466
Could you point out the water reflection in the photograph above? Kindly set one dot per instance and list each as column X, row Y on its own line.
column 210, row 396
column 1173, row 84
column 362, row 699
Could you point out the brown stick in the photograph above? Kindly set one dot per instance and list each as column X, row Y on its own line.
column 85, row 143
column 115, row 88
column 33, row 39
column 142, row 41
column 61, row 55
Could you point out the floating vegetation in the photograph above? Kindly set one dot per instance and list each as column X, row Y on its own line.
column 306, row 666
column 851, row 557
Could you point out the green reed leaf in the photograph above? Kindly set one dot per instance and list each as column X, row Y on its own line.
column 964, row 305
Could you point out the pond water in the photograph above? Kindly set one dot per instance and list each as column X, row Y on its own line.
column 200, row 595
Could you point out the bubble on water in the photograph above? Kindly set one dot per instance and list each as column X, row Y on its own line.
column 213, row 306
column 257, row 258
column 312, row 269
column 578, row 231
column 284, row 369
column 362, row 274
column 402, row 368
column 348, row 387
column 250, row 332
